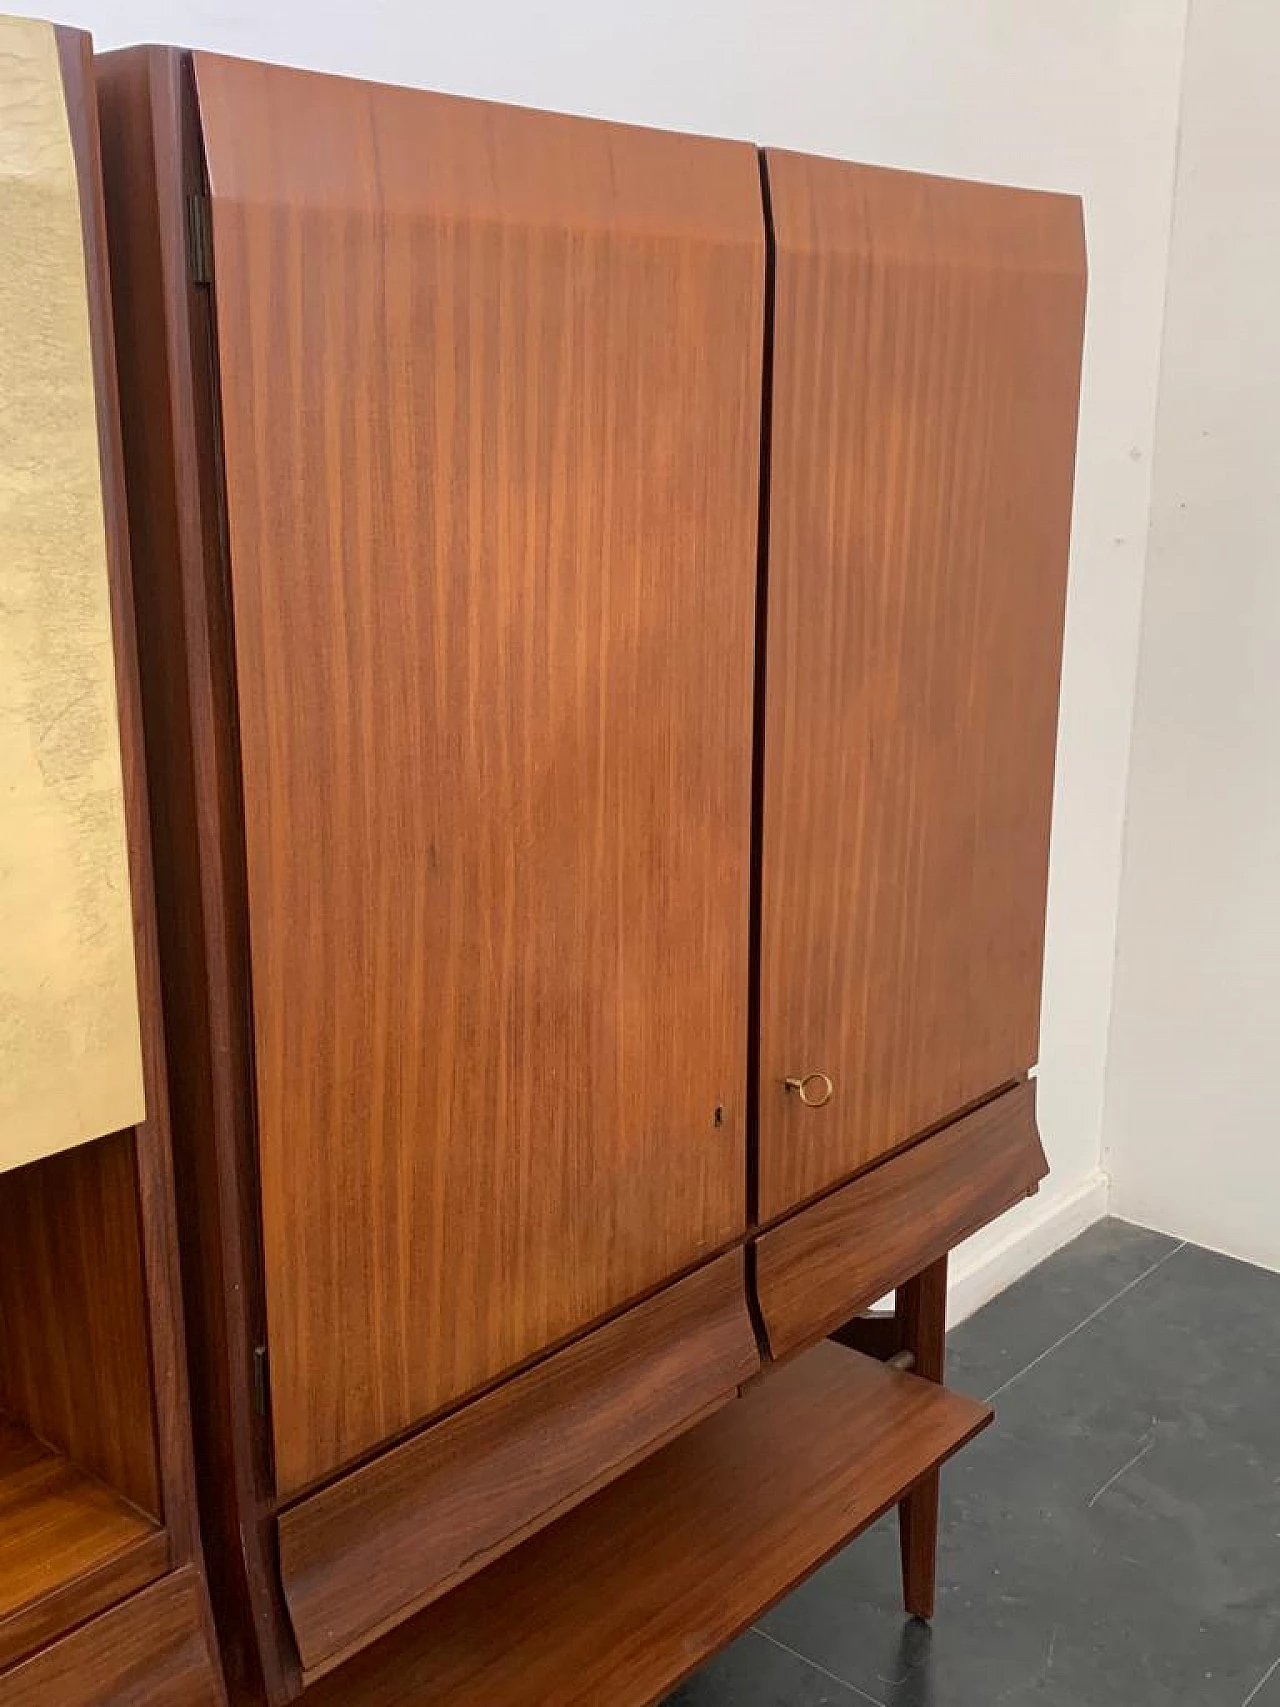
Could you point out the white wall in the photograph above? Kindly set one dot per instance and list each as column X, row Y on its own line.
column 1192, row 1129
column 1079, row 96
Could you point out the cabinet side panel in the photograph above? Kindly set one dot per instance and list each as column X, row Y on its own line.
column 164, row 369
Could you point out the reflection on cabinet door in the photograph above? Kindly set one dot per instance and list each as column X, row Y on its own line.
column 490, row 392
column 926, row 371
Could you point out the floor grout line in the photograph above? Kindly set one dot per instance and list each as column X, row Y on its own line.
column 834, row 1676
column 1262, row 1682
column 1091, row 1317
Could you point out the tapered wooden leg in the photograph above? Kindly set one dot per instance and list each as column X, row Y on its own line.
column 921, row 1311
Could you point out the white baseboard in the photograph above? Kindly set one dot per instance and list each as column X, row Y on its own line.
column 982, row 1268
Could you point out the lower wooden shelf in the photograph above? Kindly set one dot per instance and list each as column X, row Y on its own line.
column 69, row 1546
column 635, row 1589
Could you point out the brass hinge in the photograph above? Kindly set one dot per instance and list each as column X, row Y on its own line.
column 261, row 1383
column 199, row 240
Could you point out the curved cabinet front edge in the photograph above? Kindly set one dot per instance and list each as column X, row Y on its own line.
column 832, row 1260
column 388, row 1538
column 638, row 1587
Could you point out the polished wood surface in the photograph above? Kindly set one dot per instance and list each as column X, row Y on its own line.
column 825, row 1263
column 490, row 393
column 65, row 1607
column 386, row 1539
column 166, row 364
column 926, row 362
column 631, row 1592
column 920, row 1310
column 74, row 1357
column 69, row 1545
column 152, row 1211
column 152, row 1651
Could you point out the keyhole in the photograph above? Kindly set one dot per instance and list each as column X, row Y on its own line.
column 718, row 1117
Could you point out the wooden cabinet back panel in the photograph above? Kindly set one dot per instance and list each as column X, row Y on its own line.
column 926, row 373
column 490, row 387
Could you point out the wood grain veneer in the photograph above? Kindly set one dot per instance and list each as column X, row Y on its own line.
column 69, row 1545
column 164, row 340
column 827, row 1262
column 152, row 1204
column 490, row 400
column 75, row 1361
column 632, row 1591
column 386, row 1539
column 926, row 361
column 151, row 1651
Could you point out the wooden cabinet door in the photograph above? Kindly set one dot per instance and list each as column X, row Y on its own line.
column 490, row 394
column 926, row 367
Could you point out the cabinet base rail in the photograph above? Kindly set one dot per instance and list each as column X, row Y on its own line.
column 629, row 1594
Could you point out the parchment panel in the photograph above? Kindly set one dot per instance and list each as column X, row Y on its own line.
column 70, row 1051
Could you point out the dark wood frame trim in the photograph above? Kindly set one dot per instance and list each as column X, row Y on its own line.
column 151, row 1147
column 153, row 168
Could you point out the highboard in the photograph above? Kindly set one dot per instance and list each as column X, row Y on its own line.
column 600, row 613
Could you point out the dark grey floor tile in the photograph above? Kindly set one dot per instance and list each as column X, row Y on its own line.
column 1050, row 1301
column 1266, row 1692
column 989, row 1636
column 755, row 1672
column 1114, row 1540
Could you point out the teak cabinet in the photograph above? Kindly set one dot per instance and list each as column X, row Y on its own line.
column 600, row 612
column 102, row 1592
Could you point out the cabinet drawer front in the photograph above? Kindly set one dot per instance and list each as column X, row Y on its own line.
column 152, row 1651
column 364, row 1553
column 490, row 392
column 837, row 1257
column 926, row 366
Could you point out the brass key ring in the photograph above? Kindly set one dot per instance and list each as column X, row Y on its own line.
column 809, row 1098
